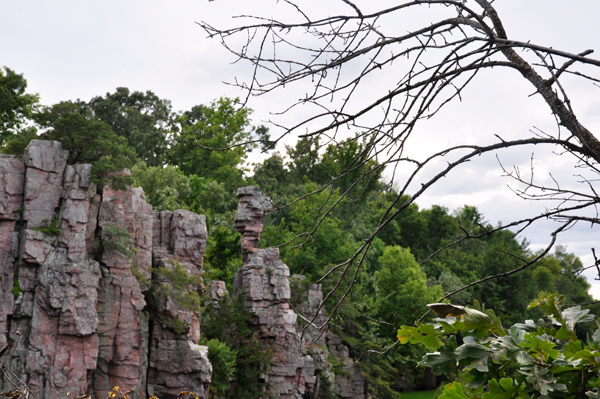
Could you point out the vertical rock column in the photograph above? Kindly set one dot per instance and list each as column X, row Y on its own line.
column 12, row 173
column 45, row 163
column 64, row 322
column 264, row 282
column 177, row 362
column 250, row 217
column 324, row 345
column 54, row 319
column 124, row 218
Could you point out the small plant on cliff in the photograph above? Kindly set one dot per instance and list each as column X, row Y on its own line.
column 179, row 286
column 49, row 227
column 16, row 289
column 116, row 239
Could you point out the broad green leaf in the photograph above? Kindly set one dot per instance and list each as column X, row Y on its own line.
column 536, row 345
column 565, row 333
column 440, row 363
column 562, row 369
column 499, row 390
column 450, row 325
column 572, row 348
column 523, row 358
column 549, row 303
column 574, row 315
column 475, row 319
column 472, row 350
column 529, row 325
column 453, row 391
column 495, row 321
column 596, row 336
column 424, row 333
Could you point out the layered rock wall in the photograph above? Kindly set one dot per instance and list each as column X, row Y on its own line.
column 71, row 309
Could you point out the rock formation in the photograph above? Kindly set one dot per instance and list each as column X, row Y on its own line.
column 263, row 279
column 84, row 291
column 71, row 307
column 250, row 217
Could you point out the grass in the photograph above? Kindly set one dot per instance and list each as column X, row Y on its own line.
column 419, row 395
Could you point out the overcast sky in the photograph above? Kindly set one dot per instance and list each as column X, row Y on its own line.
column 69, row 49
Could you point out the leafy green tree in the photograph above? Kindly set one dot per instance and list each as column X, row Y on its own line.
column 143, row 119
column 230, row 323
column 17, row 143
column 209, row 142
column 16, row 106
column 165, row 188
column 305, row 163
column 328, row 246
column 87, row 139
column 222, row 359
column 401, row 290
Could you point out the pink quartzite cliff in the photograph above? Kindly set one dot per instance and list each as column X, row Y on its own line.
column 70, row 307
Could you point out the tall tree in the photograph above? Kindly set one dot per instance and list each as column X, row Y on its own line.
column 88, row 140
column 210, row 141
column 144, row 119
column 16, row 106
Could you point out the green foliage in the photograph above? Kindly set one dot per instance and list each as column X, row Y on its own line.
column 419, row 395
column 328, row 246
column 50, row 227
column 142, row 119
column 223, row 361
column 220, row 125
column 401, row 290
column 176, row 283
column 230, row 323
column 88, row 140
column 530, row 360
column 16, row 106
column 165, row 188
column 116, row 239
column 325, row 388
column 17, row 143
column 16, row 289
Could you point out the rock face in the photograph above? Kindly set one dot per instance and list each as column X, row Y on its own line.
column 71, row 306
column 299, row 363
column 175, row 360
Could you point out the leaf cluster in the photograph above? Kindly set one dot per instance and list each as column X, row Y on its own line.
column 542, row 358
